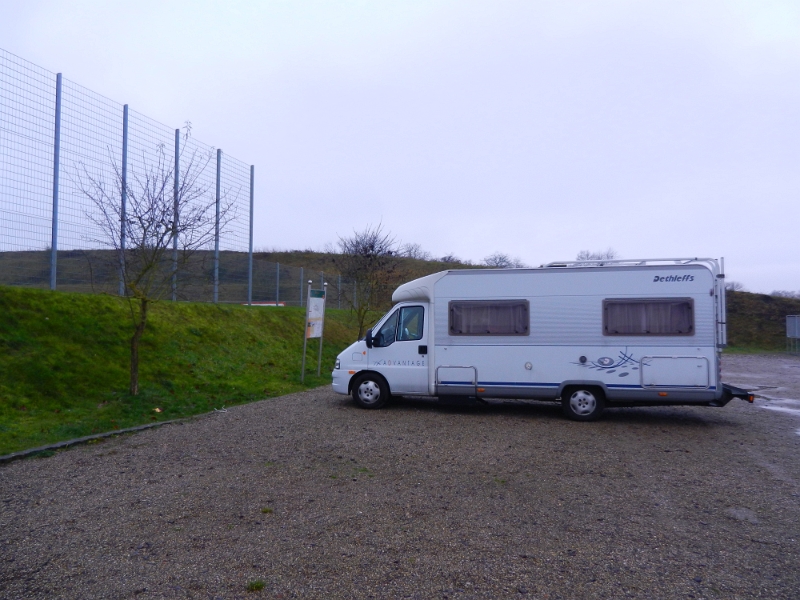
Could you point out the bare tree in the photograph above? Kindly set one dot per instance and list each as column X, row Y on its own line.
column 499, row 260
column 734, row 286
column 158, row 231
column 369, row 259
column 600, row 255
column 414, row 251
column 452, row 259
column 786, row 294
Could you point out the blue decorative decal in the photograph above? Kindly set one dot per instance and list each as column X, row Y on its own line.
column 605, row 364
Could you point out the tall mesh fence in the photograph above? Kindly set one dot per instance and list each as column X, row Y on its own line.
column 90, row 142
column 85, row 150
column 27, row 106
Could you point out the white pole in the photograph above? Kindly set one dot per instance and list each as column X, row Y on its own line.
column 322, row 331
column 305, row 338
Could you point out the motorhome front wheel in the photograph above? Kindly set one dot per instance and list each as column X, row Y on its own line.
column 582, row 404
column 370, row 391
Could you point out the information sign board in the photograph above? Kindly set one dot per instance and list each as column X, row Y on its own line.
column 315, row 315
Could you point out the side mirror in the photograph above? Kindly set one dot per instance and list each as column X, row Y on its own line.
column 369, row 339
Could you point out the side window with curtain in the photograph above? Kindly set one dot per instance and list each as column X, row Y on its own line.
column 489, row 317
column 648, row 316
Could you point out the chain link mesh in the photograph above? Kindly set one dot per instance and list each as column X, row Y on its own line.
column 91, row 142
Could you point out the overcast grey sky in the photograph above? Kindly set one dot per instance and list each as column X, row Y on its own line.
column 535, row 128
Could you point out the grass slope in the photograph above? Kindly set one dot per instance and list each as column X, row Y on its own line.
column 64, row 361
column 758, row 321
column 315, row 262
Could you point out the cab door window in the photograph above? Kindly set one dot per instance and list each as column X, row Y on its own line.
column 411, row 321
column 404, row 325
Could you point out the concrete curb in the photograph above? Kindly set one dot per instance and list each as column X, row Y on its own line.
column 82, row 440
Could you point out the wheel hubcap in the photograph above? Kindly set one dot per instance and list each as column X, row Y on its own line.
column 582, row 402
column 369, row 392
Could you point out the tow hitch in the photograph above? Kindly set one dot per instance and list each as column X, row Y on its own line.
column 729, row 392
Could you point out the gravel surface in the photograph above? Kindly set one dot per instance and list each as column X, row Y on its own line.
column 316, row 498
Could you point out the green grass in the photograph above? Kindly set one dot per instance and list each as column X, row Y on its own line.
column 64, row 362
column 255, row 586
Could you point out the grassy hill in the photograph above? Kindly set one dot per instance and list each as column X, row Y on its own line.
column 411, row 268
column 95, row 271
column 758, row 321
column 64, row 361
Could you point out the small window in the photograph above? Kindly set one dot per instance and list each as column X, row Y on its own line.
column 489, row 317
column 648, row 316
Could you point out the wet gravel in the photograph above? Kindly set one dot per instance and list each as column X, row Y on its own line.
column 315, row 498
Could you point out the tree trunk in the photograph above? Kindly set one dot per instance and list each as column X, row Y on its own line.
column 137, row 335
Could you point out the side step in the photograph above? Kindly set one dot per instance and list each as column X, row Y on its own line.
column 729, row 392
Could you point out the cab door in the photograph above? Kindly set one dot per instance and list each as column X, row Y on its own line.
column 400, row 349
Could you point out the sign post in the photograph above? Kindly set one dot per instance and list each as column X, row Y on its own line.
column 314, row 324
column 322, row 325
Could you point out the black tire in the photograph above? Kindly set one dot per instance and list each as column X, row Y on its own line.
column 583, row 403
column 370, row 391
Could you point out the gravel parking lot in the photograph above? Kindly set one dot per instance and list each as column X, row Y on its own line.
column 315, row 498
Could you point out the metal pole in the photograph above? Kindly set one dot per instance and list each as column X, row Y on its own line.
column 250, row 251
column 216, row 233
column 301, row 286
column 123, row 211
column 321, row 333
column 56, row 160
column 305, row 337
column 277, row 284
column 175, row 193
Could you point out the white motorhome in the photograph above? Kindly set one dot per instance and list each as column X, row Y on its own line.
column 610, row 333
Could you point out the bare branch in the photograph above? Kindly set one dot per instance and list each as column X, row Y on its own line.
column 498, row 260
column 370, row 259
column 156, row 216
column 600, row 255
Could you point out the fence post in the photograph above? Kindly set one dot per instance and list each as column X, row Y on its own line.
column 56, row 159
column 175, row 192
column 301, row 287
column 278, row 284
column 339, row 291
column 250, row 251
column 123, row 211
column 216, row 233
